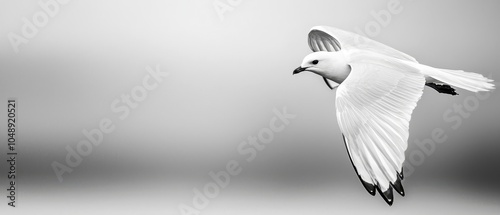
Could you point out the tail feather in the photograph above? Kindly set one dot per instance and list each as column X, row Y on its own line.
column 466, row 80
column 470, row 81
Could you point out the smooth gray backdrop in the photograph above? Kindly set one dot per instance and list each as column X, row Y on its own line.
column 226, row 77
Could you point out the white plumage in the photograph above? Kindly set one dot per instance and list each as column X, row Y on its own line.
column 378, row 89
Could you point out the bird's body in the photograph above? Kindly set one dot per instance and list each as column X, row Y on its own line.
column 377, row 89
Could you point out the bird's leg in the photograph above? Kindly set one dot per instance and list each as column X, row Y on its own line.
column 442, row 88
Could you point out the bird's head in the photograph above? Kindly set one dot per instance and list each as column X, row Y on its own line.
column 331, row 65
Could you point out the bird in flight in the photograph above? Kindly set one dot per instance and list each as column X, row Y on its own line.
column 377, row 89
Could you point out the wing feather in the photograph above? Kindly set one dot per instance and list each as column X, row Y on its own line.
column 339, row 39
column 374, row 106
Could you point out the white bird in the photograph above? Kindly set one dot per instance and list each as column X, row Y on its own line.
column 377, row 89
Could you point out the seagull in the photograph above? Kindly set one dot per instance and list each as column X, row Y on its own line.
column 377, row 88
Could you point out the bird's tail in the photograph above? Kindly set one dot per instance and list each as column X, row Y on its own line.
column 466, row 80
column 441, row 77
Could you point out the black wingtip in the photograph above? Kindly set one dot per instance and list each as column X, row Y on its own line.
column 401, row 176
column 369, row 187
column 387, row 195
column 398, row 187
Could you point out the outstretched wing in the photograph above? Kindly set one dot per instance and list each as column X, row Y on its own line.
column 374, row 106
column 325, row 38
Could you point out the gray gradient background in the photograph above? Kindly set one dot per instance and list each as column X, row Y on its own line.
column 226, row 78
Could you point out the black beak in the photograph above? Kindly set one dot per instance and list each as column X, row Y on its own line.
column 298, row 70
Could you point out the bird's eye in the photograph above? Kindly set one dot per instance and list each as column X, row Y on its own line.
column 315, row 62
